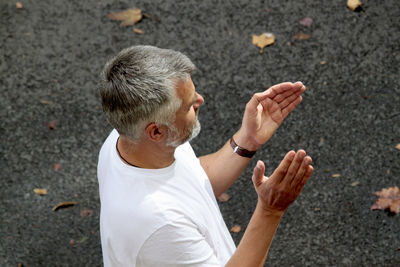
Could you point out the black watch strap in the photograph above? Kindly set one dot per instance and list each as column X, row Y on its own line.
column 241, row 151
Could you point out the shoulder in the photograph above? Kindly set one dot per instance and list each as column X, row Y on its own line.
column 186, row 149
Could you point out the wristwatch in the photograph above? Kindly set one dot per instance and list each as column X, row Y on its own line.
column 241, row 151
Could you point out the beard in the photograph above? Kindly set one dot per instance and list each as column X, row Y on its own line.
column 177, row 137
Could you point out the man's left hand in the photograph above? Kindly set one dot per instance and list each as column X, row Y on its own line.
column 266, row 111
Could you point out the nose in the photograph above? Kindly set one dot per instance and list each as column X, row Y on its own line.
column 199, row 100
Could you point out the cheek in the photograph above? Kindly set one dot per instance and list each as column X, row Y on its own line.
column 193, row 114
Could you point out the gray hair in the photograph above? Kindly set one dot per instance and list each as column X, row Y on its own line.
column 138, row 86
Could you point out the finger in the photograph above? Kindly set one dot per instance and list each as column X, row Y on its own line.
column 294, row 166
column 301, row 171
column 282, row 96
column 288, row 101
column 305, row 178
column 300, row 85
column 255, row 101
column 258, row 173
column 267, row 104
column 279, row 89
column 283, row 167
column 291, row 106
column 283, row 87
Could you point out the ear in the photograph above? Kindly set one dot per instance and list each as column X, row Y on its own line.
column 156, row 132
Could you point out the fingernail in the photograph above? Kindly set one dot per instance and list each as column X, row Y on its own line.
column 258, row 164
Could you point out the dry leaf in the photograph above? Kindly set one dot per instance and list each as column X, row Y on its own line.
column 323, row 62
column 63, row 205
column 236, row 228
column 355, row 183
column 52, row 124
column 301, row 36
column 19, row 5
column 139, row 31
column 40, row 191
column 306, row 21
column 86, row 212
column 398, row 146
column 354, row 4
column 44, row 102
column 263, row 40
column 128, row 17
column 56, row 166
column 336, row 175
column 224, row 197
column 389, row 198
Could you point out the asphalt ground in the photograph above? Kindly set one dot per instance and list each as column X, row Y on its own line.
column 53, row 51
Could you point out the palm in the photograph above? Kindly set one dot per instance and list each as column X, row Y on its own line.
column 266, row 111
column 285, row 184
column 269, row 117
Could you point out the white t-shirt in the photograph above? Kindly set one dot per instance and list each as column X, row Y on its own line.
column 159, row 217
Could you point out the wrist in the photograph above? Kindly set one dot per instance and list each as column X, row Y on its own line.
column 267, row 211
column 245, row 142
column 240, row 150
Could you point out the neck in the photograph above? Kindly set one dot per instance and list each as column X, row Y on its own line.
column 145, row 154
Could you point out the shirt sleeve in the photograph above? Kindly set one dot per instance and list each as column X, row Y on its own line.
column 177, row 244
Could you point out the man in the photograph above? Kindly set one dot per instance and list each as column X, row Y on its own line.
column 158, row 204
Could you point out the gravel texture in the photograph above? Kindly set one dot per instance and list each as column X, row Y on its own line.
column 52, row 52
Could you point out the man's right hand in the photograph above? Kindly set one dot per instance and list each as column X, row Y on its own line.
column 277, row 192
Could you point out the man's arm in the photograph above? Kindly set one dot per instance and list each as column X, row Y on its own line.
column 275, row 194
column 263, row 114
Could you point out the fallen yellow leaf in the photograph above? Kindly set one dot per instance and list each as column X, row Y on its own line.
column 40, row 191
column 63, row 205
column 44, row 102
column 354, row 4
column 128, row 17
column 263, row 40
column 336, row 175
column 355, row 183
column 139, row 31
column 236, row 228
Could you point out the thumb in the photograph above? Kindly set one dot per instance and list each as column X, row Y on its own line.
column 258, row 173
column 256, row 100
